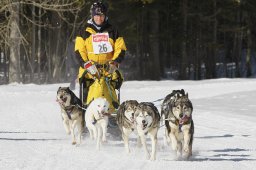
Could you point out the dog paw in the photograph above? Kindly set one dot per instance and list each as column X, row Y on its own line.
column 139, row 145
column 185, row 156
column 152, row 158
column 128, row 151
column 92, row 138
column 174, row 146
column 148, row 157
column 178, row 154
column 178, row 158
column 167, row 141
column 186, row 149
column 104, row 141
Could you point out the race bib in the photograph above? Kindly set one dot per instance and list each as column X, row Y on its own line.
column 101, row 44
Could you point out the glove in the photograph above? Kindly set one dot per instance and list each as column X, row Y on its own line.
column 113, row 65
column 91, row 68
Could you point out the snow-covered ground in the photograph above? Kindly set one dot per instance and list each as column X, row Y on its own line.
column 32, row 135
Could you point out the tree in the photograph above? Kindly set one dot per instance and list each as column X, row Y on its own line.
column 36, row 14
column 14, row 69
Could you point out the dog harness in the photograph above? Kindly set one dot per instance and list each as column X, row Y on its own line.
column 69, row 111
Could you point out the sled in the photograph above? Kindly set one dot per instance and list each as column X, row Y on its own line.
column 102, row 84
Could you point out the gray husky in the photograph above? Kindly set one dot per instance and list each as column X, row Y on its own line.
column 71, row 112
column 179, row 123
column 126, row 120
column 142, row 117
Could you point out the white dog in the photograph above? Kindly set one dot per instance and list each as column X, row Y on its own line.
column 96, row 118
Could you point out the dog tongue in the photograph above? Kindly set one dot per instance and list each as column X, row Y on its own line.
column 184, row 119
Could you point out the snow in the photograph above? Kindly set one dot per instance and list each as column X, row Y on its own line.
column 32, row 135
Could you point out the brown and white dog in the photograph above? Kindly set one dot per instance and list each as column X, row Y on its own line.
column 126, row 120
column 71, row 112
column 179, row 123
column 142, row 117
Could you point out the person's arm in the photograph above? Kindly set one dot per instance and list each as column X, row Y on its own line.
column 80, row 50
column 119, row 48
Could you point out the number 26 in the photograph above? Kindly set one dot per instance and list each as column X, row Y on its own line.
column 102, row 48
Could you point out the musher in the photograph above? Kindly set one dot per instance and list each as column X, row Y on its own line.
column 100, row 49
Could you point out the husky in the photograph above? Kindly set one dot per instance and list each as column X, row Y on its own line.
column 126, row 121
column 170, row 97
column 71, row 112
column 147, row 120
column 179, row 124
column 142, row 117
column 96, row 118
column 165, row 110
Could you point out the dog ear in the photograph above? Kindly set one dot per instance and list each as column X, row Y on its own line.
column 115, row 104
column 173, row 92
column 68, row 90
column 123, row 106
column 120, row 112
column 182, row 92
column 176, row 98
column 187, row 95
column 58, row 89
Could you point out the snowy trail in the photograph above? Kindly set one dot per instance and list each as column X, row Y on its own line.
column 32, row 135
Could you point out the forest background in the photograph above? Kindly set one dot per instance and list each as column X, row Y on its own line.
column 166, row 39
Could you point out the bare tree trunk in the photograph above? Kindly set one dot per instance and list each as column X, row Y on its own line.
column 249, row 49
column 215, row 27
column 14, row 68
column 184, row 43
column 143, row 49
column 138, row 45
column 55, row 51
column 48, row 49
column 39, row 47
column 239, row 37
column 33, row 50
column 154, row 45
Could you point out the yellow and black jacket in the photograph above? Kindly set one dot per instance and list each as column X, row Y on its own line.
column 84, row 47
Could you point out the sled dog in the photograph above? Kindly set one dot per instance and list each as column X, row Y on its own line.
column 126, row 121
column 170, row 97
column 145, row 118
column 71, row 112
column 96, row 118
column 179, row 123
column 165, row 110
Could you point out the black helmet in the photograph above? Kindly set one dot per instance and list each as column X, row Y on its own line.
column 98, row 8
